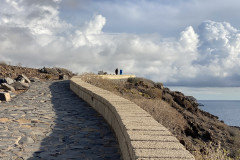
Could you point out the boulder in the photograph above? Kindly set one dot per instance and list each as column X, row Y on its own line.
column 63, row 77
column 7, row 87
column 5, row 96
column 9, row 80
column 191, row 98
column 42, row 70
column 24, row 79
column 159, row 85
column 20, row 86
column 49, row 70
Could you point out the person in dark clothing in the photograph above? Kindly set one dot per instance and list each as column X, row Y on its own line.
column 116, row 71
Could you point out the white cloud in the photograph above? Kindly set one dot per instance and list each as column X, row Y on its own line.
column 34, row 34
column 89, row 35
column 220, row 48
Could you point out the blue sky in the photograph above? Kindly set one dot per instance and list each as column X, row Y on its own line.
column 151, row 16
column 192, row 43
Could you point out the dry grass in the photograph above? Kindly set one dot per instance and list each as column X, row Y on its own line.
column 214, row 153
column 236, row 140
column 163, row 113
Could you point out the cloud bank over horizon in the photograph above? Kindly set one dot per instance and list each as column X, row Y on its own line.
column 34, row 34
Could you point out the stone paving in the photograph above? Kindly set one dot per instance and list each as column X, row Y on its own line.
column 50, row 122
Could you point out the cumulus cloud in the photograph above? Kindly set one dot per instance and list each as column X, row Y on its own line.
column 88, row 36
column 33, row 33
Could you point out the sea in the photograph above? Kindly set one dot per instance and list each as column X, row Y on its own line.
column 226, row 110
column 223, row 102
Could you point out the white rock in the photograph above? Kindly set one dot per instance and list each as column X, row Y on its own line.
column 26, row 79
column 7, row 87
column 9, row 80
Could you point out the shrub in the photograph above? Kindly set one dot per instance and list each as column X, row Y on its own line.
column 141, row 80
column 48, row 76
column 159, row 85
column 154, row 93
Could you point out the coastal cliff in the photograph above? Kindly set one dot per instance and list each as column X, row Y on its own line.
column 202, row 133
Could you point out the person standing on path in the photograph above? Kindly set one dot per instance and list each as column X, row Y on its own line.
column 121, row 72
column 116, row 71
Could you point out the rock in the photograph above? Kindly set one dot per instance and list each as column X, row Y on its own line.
column 2, row 80
column 25, row 140
column 5, row 96
column 159, row 85
column 26, row 78
column 7, row 87
column 34, row 79
column 23, row 78
column 20, row 86
column 42, row 70
column 9, row 80
column 56, row 71
column 166, row 90
column 100, row 73
column 191, row 98
column 63, row 77
column 26, row 85
column 12, row 94
column 49, row 70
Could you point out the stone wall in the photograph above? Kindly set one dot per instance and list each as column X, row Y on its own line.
column 138, row 134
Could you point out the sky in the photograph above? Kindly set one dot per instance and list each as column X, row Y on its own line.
column 191, row 43
column 209, row 93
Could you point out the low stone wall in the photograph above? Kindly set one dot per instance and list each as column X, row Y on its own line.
column 140, row 137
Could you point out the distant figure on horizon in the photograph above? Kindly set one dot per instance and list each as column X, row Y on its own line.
column 116, row 71
column 121, row 72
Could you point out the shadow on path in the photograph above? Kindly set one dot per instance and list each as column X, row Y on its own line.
column 79, row 131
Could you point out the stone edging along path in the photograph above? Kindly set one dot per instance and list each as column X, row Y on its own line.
column 139, row 135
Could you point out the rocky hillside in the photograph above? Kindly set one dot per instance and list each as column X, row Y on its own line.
column 202, row 133
column 16, row 79
column 42, row 73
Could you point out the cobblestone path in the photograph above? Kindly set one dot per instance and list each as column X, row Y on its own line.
column 50, row 122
